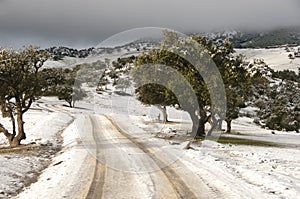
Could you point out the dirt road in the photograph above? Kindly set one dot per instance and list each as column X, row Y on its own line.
column 129, row 167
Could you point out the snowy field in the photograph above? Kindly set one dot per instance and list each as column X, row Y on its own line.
column 276, row 58
column 20, row 167
column 232, row 170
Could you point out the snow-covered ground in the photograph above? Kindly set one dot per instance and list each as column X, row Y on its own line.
column 236, row 171
column 248, row 171
column 68, row 62
column 276, row 58
column 20, row 167
column 71, row 172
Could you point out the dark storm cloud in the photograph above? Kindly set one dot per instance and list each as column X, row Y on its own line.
column 82, row 23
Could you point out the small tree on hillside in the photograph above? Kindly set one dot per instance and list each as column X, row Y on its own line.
column 20, row 86
column 102, row 82
column 70, row 89
column 62, row 83
column 70, row 94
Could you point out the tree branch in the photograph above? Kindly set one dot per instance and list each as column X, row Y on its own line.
column 5, row 132
column 28, row 106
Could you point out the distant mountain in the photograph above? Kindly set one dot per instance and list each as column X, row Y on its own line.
column 273, row 38
column 58, row 53
column 240, row 39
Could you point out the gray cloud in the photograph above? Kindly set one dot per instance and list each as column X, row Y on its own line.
column 86, row 23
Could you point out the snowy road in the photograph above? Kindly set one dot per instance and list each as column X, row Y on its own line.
column 133, row 163
column 128, row 168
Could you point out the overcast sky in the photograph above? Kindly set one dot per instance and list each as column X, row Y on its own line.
column 84, row 23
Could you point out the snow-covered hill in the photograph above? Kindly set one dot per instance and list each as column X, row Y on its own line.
column 64, row 57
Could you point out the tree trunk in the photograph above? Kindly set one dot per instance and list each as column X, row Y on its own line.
column 13, row 122
column 15, row 142
column 198, row 128
column 201, row 128
column 73, row 104
column 214, row 125
column 228, row 130
column 21, row 133
column 12, row 139
column 218, row 122
column 219, row 126
column 163, row 109
column 70, row 104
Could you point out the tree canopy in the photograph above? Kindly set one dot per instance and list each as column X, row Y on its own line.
column 62, row 83
column 20, row 86
column 172, row 53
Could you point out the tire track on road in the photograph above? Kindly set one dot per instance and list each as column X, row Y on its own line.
column 180, row 187
column 99, row 173
column 99, row 170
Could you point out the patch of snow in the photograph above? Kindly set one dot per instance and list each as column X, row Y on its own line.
column 20, row 167
column 71, row 172
column 276, row 59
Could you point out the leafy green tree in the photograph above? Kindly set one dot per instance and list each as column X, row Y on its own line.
column 286, row 75
column 70, row 90
column 238, row 88
column 157, row 95
column 166, row 57
column 70, row 94
column 51, row 78
column 228, row 65
column 62, row 83
column 20, row 87
column 280, row 108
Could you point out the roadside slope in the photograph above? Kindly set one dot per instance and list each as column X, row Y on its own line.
column 70, row 173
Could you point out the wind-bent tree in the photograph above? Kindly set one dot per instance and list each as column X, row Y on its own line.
column 228, row 65
column 20, row 86
column 167, row 58
column 236, row 78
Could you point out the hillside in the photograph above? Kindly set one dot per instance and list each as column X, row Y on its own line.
column 259, row 39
